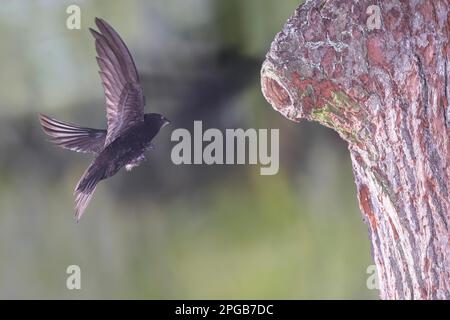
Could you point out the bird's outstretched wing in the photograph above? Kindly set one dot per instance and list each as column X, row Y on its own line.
column 73, row 137
column 124, row 95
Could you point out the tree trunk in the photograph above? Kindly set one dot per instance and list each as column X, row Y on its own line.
column 384, row 89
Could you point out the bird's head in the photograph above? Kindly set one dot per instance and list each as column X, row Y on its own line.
column 156, row 120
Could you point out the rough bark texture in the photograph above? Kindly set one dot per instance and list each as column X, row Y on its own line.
column 386, row 92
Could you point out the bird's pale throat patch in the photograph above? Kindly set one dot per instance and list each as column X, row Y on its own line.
column 234, row 146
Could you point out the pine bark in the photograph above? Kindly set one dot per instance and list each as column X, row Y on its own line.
column 386, row 92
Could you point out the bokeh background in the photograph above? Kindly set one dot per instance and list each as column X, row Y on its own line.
column 165, row 231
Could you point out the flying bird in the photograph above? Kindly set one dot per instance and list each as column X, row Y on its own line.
column 129, row 132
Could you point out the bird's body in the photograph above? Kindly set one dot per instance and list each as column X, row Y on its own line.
column 128, row 149
column 130, row 132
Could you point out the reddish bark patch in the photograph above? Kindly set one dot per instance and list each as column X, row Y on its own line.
column 446, row 48
column 391, row 19
column 427, row 12
column 375, row 50
column 328, row 61
column 315, row 30
column 367, row 205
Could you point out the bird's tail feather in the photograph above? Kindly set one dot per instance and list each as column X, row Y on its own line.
column 86, row 187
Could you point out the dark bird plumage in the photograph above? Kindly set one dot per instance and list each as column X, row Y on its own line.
column 129, row 131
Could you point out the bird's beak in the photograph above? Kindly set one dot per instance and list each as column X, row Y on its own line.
column 167, row 122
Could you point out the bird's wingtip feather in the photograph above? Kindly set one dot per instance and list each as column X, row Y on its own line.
column 101, row 22
column 97, row 35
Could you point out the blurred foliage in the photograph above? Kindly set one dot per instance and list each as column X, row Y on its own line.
column 166, row 231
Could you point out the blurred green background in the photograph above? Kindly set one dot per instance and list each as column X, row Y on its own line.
column 165, row 231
